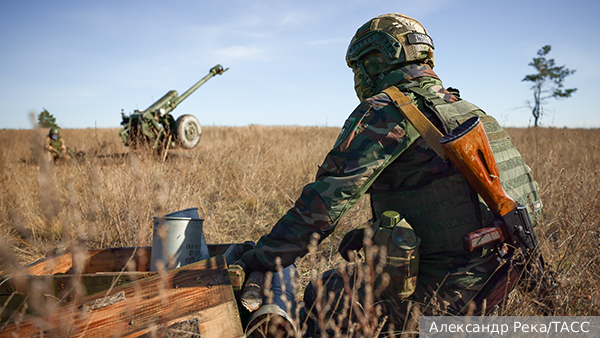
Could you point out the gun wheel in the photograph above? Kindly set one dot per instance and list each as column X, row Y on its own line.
column 188, row 131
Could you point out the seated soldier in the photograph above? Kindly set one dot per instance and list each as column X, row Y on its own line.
column 55, row 146
column 380, row 153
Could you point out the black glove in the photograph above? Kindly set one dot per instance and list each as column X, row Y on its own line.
column 235, row 251
column 250, row 263
column 353, row 240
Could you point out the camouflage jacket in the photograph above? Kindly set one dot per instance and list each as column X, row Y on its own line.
column 57, row 144
column 374, row 133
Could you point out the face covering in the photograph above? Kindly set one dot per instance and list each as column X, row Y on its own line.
column 368, row 72
column 363, row 91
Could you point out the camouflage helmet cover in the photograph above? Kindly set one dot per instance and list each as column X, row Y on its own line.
column 54, row 131
column 399, row 38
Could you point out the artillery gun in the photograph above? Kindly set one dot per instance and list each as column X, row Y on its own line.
column 156, row 127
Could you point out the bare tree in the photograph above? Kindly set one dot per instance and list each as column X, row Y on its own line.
column 547, row 81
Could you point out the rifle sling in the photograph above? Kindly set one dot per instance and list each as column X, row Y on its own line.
column 428, row 131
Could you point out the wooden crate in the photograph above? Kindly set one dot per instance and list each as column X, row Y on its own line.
column 115, row 294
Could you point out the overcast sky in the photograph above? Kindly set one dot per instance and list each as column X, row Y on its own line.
column 84, row 61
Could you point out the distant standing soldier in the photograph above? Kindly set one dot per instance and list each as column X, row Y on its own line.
column 57, row 150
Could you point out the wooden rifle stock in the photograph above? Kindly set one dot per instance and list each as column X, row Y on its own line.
column 468, row 148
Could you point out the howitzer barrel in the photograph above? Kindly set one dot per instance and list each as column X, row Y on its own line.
column 167, row 102
column 218, row 69
column 171, row 100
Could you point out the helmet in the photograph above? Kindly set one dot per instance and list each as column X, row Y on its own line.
column 399, row 38
column 54, row 132
column 382, row 44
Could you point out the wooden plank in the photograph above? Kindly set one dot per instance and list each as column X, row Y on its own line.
column 51, row 265
column 118, row 259
column 15, row 290
column 90, row 261
column 101, row 260
column 64, row 285
column 200, row 291
column 104, row 260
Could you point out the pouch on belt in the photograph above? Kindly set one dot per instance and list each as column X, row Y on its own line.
column 402, row 255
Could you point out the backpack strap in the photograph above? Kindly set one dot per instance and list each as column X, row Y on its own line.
column 428, row 131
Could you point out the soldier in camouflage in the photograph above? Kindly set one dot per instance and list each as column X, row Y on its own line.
column 55, row 145
column 379, row 152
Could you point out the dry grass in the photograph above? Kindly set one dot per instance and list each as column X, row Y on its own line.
column 243, row 179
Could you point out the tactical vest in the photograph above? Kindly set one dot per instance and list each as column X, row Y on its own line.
column 56, row 144
column 448, row 208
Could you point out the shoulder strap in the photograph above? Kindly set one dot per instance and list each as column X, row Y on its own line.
column 428, row 131
column 429, row 96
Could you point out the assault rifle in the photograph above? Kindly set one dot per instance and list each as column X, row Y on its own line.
column 468, row 148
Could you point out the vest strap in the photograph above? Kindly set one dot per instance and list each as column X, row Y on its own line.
column 428, row 131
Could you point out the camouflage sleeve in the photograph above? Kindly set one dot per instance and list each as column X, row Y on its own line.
column 372, row 137
column 47, row 145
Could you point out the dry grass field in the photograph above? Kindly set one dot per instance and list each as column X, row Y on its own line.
column 242, row 179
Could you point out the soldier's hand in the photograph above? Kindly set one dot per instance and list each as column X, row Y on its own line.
column 250, row 263
column 353, row 240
